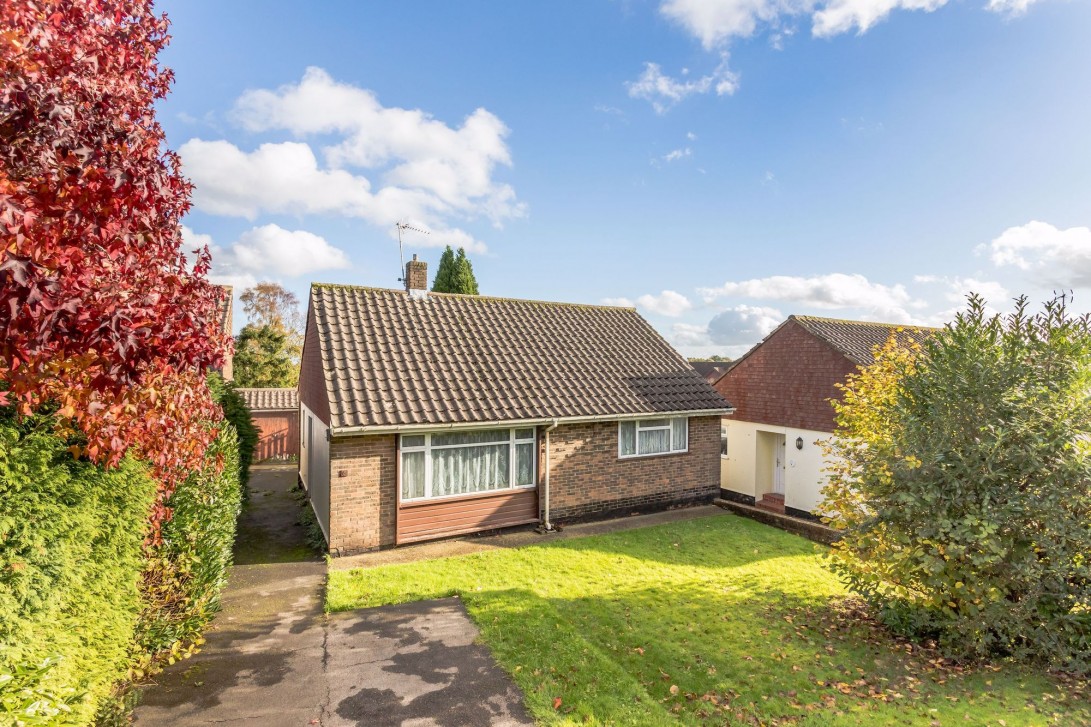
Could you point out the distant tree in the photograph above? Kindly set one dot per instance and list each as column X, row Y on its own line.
column 262, row 360
column 961, row 483
column 455, row 274
column 103, row 316
column 717, row 358
column 269, row 304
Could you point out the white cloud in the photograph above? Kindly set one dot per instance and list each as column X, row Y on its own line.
column 416, row 151
column 611, row 110
column 737, row 329
column 238, row 282
column 272, row 248
column 717, row 22
column 833, row 291
column 841, row 16
column 958, row 288
column 267, row 251
column 691, row 136
column 1051, row 256
column 1011, row 8
column 194, row 240
column 424, row 171
column 677, row 154
column 743, row 324
column 664, row 91
column 689, row 334
column 276, row 178
column 668, row 303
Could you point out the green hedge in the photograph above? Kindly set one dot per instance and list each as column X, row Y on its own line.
column 238, row 415
column 70, row 562
column 85, row 606
column 186, row 573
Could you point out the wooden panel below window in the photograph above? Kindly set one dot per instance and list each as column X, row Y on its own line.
column 457, row 516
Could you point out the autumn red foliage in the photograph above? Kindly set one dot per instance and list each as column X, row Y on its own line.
column 102, row 314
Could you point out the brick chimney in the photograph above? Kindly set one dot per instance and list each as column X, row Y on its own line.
column 416, row 278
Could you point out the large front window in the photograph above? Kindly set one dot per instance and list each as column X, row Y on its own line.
column 466, row 463
column 644, row 437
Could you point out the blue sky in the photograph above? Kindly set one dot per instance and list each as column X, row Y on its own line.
column 720, row 164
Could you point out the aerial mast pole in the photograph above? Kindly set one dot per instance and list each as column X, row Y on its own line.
column 401, row 254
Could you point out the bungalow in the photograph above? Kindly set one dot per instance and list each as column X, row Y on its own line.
column 782, row 391
column 426, row 415
column 275, row 413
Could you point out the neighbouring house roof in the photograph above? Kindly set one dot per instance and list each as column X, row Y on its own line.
column 223, row 308
column 392, row 360
column 711, row 370
column 858, row 339
column 270, row 399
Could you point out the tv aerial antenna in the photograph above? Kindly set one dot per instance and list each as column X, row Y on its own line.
column 401, row 254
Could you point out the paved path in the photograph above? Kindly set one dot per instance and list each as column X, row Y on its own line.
column 274, row 658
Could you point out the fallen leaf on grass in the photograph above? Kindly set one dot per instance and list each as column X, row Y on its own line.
column 556, row 703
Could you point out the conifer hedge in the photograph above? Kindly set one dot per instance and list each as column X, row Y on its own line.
column 88, row 606
column 71, row 557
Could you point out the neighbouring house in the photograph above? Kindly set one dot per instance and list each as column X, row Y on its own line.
column 224, row 311
column 782, row 391
column 711, row 370
column 275, row 413
column 427, row 415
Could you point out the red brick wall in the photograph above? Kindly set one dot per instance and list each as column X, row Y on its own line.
column 787, row 381
column 278, row 434
column 589, row 479
column 362, row 493
column 312, row 382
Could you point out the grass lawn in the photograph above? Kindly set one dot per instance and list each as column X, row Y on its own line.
column 710, row 621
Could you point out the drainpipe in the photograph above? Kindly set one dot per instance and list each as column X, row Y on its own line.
column 546, row 525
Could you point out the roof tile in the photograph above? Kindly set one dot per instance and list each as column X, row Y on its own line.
column 269, row 399
column 858, row 339
column 390, row 359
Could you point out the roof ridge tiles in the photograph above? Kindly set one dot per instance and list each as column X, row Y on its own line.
column 470, row 297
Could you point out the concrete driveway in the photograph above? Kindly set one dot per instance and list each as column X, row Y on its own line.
column 273, row 657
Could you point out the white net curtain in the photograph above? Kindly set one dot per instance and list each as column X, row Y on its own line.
column 465, row 463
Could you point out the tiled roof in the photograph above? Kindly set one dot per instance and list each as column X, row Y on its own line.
column 711, row 370
column 393, row 360
column 857, row 339
column 270, row 399
column 223, row 308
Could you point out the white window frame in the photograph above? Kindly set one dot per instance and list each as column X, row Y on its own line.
column 638, row 424
column 725, row 442
column 427, row 448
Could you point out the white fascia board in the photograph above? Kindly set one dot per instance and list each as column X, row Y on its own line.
column 509, row 423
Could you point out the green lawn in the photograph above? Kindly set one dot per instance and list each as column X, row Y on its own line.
column 710, row 621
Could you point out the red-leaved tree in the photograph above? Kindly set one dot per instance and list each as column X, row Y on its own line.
column 102, row 315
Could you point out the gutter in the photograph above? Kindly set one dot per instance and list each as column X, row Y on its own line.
column 507, row 423
column 546, row 525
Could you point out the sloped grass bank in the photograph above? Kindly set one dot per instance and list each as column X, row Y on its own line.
column 709, row 621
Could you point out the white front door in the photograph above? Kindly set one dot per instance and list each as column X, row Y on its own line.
column 778, row 465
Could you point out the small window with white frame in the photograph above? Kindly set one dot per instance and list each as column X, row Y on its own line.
column 723, row 440
column 647, row 437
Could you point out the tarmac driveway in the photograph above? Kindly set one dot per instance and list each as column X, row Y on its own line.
column 273, row 657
